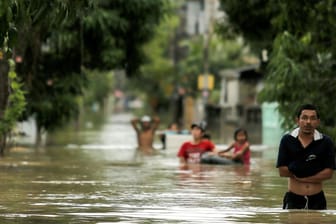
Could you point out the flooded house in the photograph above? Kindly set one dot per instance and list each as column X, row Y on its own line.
column 239, row 106
column 238, row 101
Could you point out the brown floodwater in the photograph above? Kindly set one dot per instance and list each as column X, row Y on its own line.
column 96, row 176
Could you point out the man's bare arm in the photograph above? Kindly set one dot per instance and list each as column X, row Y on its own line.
column 183, row 162
column 134, row 123
column 284, row 172
column 325, row 174
column 156, row 122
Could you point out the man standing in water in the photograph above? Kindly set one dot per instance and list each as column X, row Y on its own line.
column 145, row 129
column 307, row 158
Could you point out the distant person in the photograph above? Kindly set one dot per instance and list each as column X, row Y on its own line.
column 179, row 105
column 145, row 129
column 172, row 128
column 206, row 136
column 240, row 154
column 191, row 151
column 241, row 148
column 307, row 158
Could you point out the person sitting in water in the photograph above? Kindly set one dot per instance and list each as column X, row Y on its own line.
column 240, row 155
column 241, row 146
column 145, row 129
column 191, row 151
column 206, row 136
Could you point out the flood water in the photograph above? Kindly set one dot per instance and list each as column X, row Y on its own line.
column 96, row 177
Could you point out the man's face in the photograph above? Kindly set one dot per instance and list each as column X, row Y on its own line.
column 308, row 121
column 196, row 132
column 145, row 125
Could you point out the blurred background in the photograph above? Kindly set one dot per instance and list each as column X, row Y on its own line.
column 74, row 73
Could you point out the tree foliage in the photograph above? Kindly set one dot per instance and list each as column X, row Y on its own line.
column 115, row 30
column 16, row 102
column 159, row 69
column 176, row 60
column 47, row 62
column 254, row 20
column 53, row 41
column 224, row 53
column 12, row 100
column 302, row 60
column 99, row 87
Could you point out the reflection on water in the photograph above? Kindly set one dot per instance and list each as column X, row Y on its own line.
column 103, row 180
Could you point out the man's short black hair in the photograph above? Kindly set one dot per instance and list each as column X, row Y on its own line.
column 307, row 107
column 201, row 125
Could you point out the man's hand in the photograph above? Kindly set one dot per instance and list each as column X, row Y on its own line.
column 156, row 119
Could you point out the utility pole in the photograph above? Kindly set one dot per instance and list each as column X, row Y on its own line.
column 206, row 51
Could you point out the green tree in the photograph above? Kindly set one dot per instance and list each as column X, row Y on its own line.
column 116, row 30
column 254, row 20
column 158, row 71
column 175, row 61
column 50, row 64
column 12, row 100
column 56, row 39
column 223, row 53
column 99, row 86
column 302, row 59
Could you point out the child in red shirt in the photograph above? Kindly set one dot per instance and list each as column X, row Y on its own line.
column 241, row 146
column 191, row 151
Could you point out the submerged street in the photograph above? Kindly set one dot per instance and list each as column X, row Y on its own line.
column 97, row 177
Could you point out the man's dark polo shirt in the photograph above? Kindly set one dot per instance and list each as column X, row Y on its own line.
column 304, row 162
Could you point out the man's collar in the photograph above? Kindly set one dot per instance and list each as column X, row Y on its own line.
column 317, row 135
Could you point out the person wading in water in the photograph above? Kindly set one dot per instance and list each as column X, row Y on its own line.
column 145, row 129
column 307, row 158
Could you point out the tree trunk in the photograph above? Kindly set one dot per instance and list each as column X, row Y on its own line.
column 3, row 143
column 38, row 138
column 4, row 94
